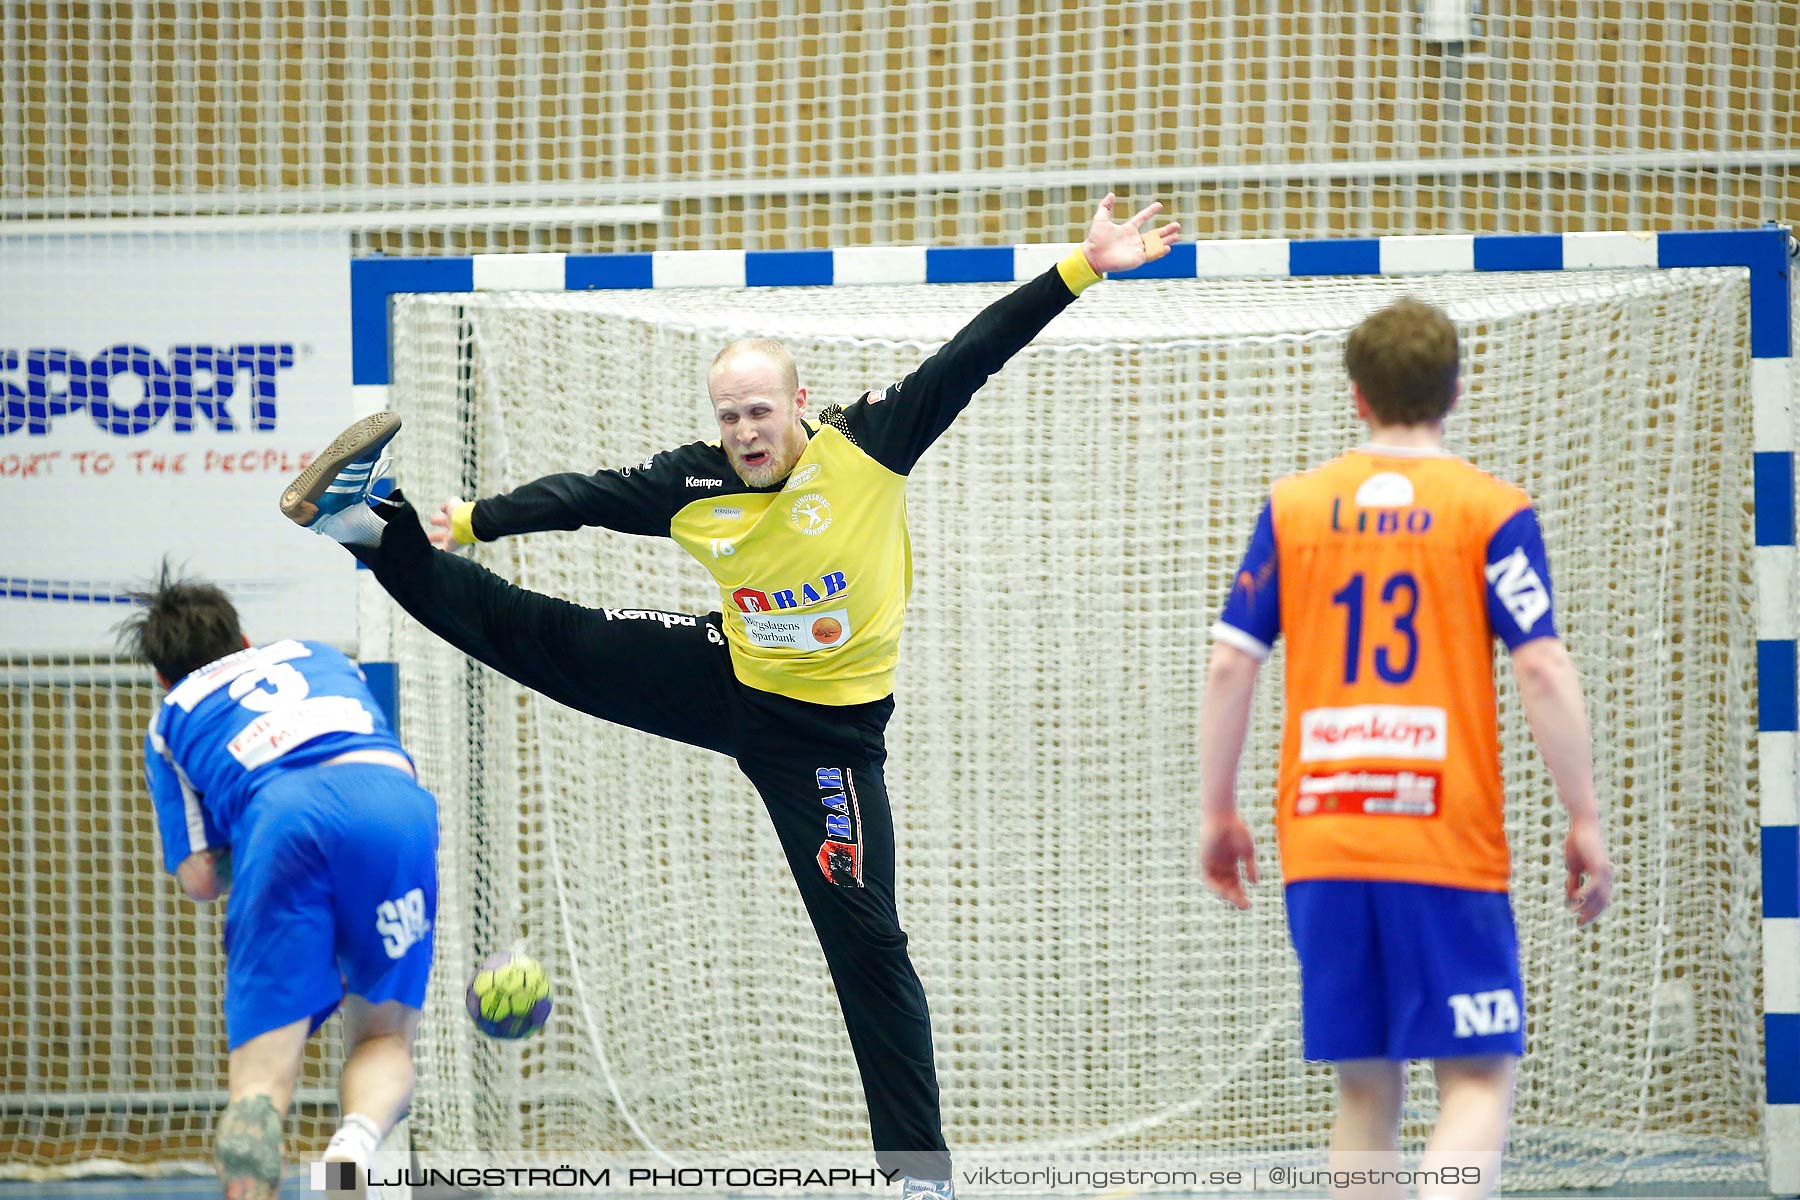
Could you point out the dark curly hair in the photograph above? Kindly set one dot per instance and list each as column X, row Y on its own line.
column 180, row 624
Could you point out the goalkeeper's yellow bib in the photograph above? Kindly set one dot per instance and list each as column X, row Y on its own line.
column 813, row 579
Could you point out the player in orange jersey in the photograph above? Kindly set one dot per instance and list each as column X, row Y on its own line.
column 1390, row 569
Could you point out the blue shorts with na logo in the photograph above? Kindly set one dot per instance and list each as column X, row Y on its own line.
column 1405, row 970
column 334, row 892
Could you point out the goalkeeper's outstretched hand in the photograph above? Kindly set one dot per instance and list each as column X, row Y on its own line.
column 1120, row 246
column 440, row 531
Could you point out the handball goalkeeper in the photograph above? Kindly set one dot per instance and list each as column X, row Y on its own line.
column 794, row 677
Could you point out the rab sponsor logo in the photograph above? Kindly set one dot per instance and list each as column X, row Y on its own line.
column 128, row 390
column 841, row 862
column 840, row 855
column 1373, row 731
column 752, row 600
column 1370, row 793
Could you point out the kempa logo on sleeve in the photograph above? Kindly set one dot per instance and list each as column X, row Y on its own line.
column 1373, row 731
column 667, row 620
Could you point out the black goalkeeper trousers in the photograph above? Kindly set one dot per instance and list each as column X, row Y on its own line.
column 817, row 767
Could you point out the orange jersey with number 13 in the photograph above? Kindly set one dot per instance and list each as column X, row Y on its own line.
column 1390, row 573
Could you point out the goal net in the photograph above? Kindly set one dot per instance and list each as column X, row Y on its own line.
column 1074, row 535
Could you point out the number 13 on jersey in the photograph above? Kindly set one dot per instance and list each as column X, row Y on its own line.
column 1388, row 611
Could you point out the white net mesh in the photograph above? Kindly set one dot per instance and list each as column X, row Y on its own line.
column 110, row 976
column 1074, row 535
column 768, row 124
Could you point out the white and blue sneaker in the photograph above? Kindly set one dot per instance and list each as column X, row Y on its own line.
column 926, row 1189
column 344, row 473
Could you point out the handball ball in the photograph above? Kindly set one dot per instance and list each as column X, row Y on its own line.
column 509, row 997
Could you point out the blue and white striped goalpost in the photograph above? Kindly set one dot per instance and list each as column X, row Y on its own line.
column 1767, row 255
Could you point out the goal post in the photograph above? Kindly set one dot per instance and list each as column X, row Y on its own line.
column 1085, row 514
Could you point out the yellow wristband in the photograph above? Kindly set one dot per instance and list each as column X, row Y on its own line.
column 462, row 523
column 1076, row 273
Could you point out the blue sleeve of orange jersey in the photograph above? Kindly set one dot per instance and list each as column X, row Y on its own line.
column 1252, row 617
column 1518, row 582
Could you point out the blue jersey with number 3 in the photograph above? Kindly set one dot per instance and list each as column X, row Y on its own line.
column 228, row 728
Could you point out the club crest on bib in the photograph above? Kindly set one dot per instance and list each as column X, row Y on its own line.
column 811, row 514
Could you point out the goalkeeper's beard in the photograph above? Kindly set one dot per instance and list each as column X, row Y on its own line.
column 773, row 469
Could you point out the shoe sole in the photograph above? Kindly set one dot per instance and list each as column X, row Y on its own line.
column 299, row 503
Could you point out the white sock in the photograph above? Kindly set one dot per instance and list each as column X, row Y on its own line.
column 354, row 526
column 355, row 1141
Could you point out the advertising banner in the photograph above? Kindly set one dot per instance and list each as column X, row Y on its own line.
column 159, row 390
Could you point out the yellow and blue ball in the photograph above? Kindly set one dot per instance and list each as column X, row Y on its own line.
column 509, row 997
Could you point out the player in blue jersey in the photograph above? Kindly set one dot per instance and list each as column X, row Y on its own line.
column 279, row 784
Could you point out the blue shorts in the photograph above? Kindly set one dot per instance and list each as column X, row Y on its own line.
column 1405, row 970
column 334, row 891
